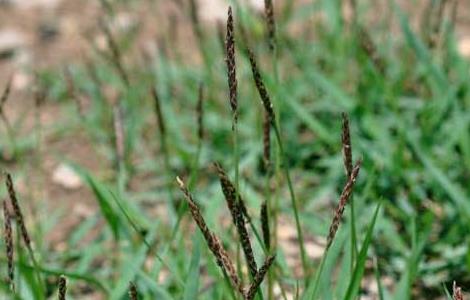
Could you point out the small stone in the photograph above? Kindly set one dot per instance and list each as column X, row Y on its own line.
column 10, row 42
column 66, row 177
column 464, row 47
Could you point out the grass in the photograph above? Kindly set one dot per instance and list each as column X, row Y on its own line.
column 391, row 95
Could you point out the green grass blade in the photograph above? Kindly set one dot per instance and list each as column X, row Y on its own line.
column 192, row 281
column 355, row 282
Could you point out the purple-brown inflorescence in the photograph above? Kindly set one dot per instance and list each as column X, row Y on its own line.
column 8, row 239
column 116, row 55
column 250, row 293
column 370, row 49
column 234, row 204
column 17, row 211
column 62, row 287
column 265, row 225
column 457, row 292
column 231, row 66
column 212, row 241
column 5, row 94
column 346, row 145
column 270, row 23
column 158, row 111
column 263, row 93
column 343, row 200
column 133, row 295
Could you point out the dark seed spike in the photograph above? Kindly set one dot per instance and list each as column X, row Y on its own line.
column 251, row 292
column 234, row 204
column 265, row 225
column 370, row 49
column 158, row 111
column 270, row 23
column 133, row 295
column 263, row 93
column 6, row 92
column 17, row 210
column 231, row 66
column 8, row 237
column 212, row 241
column 116, row 54
column 346, row 145
column 62, row 287
column 345, row 195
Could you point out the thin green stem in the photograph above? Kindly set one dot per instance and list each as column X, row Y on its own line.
column 294, row 202
column 318, row 275
column 353, row 236
column 37, row 269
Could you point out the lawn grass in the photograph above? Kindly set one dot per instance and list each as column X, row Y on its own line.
column 404, row 90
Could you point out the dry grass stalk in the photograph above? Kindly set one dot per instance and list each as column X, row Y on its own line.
column 234, row 204
column 116, row 55
column 345, row 195
column 8, row 237
column 457, row 292
column 200, row 112
column 231, row 66
column 251, row 292
column 213, row 243
column 119, row 136
column 132, row 291
column 270, row 23
column 62, row 287
column 265, row 225
column 71, row 92
column 370, row 49
column 263, row 93
column 158, row 111
column 436, row 18
column 196, row 24
column 5, row 94
column 17, row 210
column 346, row 145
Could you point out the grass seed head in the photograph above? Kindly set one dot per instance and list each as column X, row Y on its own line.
column 8, row 237
column 251, row 292
column 5, row 94
column 132, row 291
column 17, row 210
column 158, row 111
column 265, row 225
column 234, row 204
column 212, row 241
column 231, row 66
column 345, row 195
column 263, row 93
column 62, row 287
column 346, row 145
column 370, row 49
column 270, row 23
